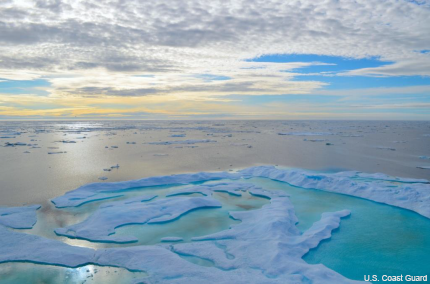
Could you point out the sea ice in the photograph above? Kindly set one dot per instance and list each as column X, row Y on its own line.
column 407, row 193
column 98, row 191
column 182, row 142
column 19, row 217
column 424, row 167
column 101, row 225
column 172, row 239
column 306, row 133
column 208, row 189
column 8, row 144
column 266, row 247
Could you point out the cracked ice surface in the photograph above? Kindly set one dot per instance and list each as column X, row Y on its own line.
column 101, row 225
column 19, row 217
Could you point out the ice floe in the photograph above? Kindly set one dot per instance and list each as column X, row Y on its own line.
column 424, row 167
column 19, row 217
column 8, row 144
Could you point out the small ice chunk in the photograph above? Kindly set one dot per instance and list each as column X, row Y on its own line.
column 386, row 148
column 8, row 144
column 19, row 217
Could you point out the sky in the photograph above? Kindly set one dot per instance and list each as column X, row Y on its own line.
column 195, row 59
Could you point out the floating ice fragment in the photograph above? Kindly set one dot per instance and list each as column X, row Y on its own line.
column 19, row 217
column 8, row 144
column 386, row 148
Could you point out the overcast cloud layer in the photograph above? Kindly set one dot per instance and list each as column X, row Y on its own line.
column 199, row 50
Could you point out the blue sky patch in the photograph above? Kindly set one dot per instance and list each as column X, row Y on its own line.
column 19, row 87
column 335, row 63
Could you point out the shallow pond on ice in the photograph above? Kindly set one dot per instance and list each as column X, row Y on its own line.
column 376, row 238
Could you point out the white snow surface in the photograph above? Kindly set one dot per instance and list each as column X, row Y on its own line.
column 19, row 217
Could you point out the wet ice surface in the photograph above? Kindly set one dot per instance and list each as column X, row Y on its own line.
column 32, row 176
column 247, row 234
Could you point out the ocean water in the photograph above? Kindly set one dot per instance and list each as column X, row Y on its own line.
column 30, row 175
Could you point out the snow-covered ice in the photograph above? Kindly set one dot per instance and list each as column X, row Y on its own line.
column 19, row 217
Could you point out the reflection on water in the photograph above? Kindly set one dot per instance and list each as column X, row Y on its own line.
column 48, row 274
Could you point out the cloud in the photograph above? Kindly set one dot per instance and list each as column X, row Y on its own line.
column 98, row 48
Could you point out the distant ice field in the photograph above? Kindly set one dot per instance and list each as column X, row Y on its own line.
column 45, row 159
